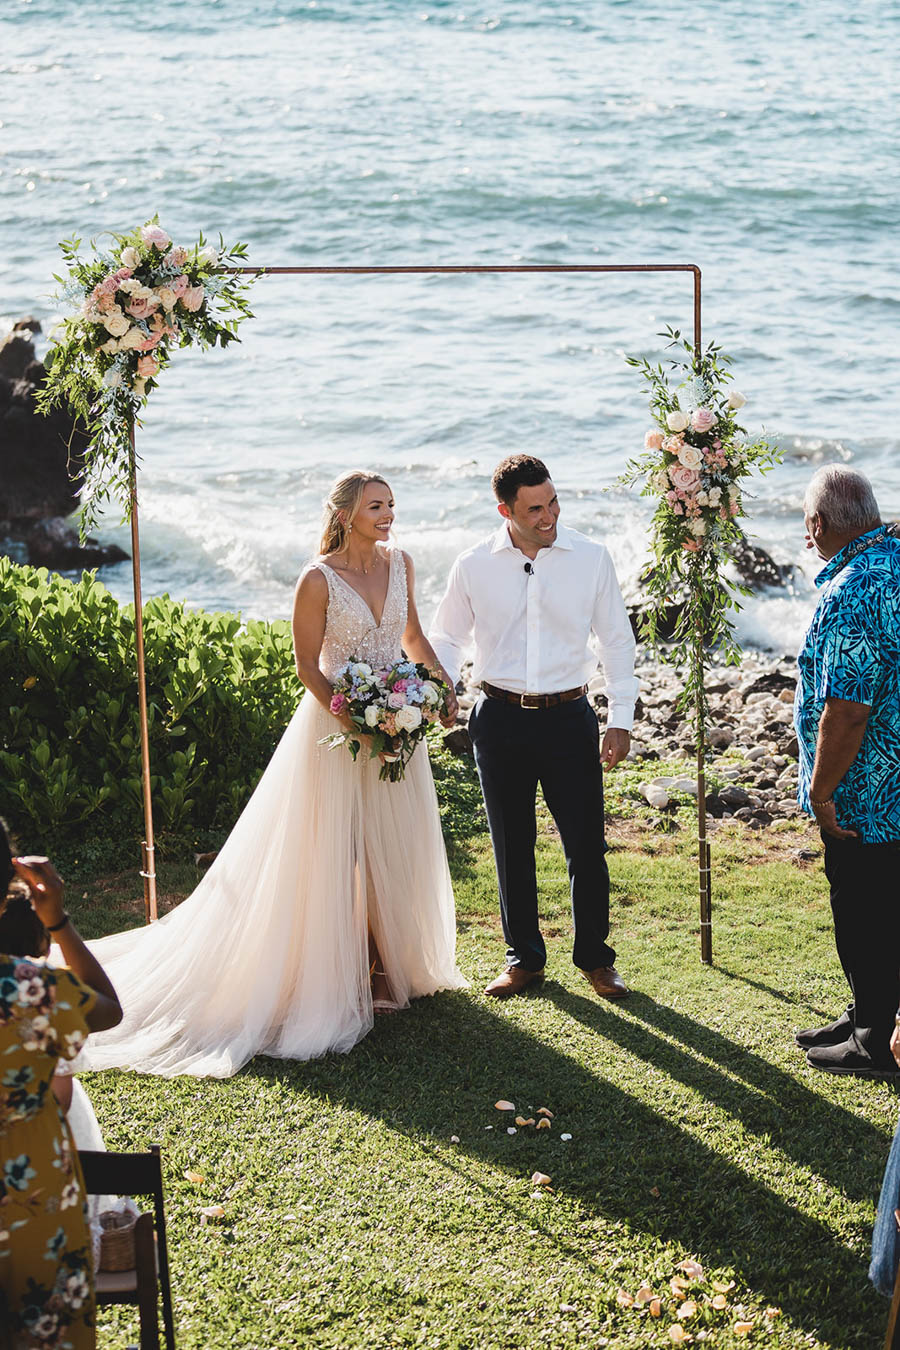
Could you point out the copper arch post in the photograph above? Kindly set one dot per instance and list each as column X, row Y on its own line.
column 148, row 870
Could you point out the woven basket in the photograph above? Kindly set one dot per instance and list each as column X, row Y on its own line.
column 117, row 1240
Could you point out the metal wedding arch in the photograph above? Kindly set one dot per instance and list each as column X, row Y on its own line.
column 148, row 846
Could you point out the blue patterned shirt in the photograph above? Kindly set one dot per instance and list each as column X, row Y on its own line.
column 852, row 651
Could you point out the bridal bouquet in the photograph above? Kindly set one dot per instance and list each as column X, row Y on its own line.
column 392, row 708
column 134, row 302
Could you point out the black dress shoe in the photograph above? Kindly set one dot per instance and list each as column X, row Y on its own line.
column 833, row 1034
column 848, row 1057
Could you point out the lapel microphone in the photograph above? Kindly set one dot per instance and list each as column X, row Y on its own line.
column 528, row 568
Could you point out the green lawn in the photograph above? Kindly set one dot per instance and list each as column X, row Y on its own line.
column 353, row 1220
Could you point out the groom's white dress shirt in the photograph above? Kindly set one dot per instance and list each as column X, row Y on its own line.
column 539, row 631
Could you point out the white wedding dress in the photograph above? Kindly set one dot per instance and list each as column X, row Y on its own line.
column 270, row 954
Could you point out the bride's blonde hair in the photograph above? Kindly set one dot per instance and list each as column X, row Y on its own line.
column 341, row 505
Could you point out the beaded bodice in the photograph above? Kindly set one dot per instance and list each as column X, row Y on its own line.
column 350, row 628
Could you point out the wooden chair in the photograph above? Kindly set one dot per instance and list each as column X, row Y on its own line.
column 136, row 1174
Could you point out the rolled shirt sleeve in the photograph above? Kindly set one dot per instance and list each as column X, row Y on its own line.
column 850, row 661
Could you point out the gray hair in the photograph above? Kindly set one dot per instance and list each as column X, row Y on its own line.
column 844, row 498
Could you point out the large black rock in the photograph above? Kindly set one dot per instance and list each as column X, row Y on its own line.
column 41, row 466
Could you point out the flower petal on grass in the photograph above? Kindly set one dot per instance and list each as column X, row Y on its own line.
column 692, row 1269
column 543, row 1111
column 543, row 1124
column 195, row 1178
column 511, row 1129
column 623, row 1298
column 644, row 1295
column 540, row 1179
column 522, row 1120
column 211, row 1212
column 655, row 1307
column 772, row 1313
column 565, row 1137
column 454, row 1139
column 504, row 1105
column 742, row 1328
column 722, row 1288
column 678, row 1284
column 719, row 1302
column 678, row 1334
column 687, row 1309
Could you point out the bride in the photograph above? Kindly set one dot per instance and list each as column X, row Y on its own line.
column 331, row 898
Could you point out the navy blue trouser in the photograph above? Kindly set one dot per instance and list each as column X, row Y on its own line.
column 515, row 749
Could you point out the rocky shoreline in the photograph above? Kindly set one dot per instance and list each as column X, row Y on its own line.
column 752, row 768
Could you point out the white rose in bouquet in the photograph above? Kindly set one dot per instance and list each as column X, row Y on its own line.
column 208, row 257
column 715, row 496
column 131, row 340
column 130, row 257
column 690, row 457
column 698, row 527
column 703, row 498
column 408, row 718
column 116, row 323
column 431, row 693
column 167, row 297
column 361, row 669
column 371, row 715
column 736, row 399
column 677, row 420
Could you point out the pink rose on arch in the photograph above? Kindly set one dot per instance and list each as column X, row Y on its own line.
column 338, row 703
column 150, row 342
column 673, row 444
column 193, row 298
column 686, row 480
column 653, row 440
column 108, row 286
column 703, row 419
column 180, row 285
column 177, row 256
column 147, row 365
column 141, row 307
column 396, row 700
column 105, row 302
column 123, row 273
column 677, row 509
column 154, row 236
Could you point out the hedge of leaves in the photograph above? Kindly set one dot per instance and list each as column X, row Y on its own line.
column 220, row 694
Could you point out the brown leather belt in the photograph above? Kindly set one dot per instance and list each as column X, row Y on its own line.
column 533, row 700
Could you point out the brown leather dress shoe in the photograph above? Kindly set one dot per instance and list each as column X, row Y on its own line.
column 513, row 980
column 606, row 981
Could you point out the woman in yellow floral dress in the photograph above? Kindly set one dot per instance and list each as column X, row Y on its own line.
column 46, row 1012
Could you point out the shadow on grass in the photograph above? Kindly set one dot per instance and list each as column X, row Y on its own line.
column 433, row 1071
column 778, row 994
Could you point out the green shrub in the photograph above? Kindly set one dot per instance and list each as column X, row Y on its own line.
column 220, row 693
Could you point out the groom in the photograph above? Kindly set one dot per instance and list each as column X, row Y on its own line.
column 529, row 599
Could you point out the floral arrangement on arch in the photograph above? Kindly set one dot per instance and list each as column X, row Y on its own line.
column 393, row 708
column 135, row 302
column 695, row 463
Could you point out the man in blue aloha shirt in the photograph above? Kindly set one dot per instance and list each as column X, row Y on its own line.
column 847, row 715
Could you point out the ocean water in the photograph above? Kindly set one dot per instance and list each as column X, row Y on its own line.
column 756, row 140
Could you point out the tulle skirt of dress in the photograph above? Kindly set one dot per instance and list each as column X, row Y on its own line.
column 270, row 954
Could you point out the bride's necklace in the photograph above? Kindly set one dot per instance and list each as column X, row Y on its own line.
column 364, row 570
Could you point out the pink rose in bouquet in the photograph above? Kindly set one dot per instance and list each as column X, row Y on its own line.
column 703, row 419
column 686, row 480
column 154, row 236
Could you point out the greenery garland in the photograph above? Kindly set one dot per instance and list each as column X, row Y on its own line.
column 135, row 302
column 695, row 461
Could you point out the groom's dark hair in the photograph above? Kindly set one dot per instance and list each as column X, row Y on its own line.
column 517, row 471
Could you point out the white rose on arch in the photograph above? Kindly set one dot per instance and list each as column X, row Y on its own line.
column 408, row 718
column 715, row 496
column 698, row 527
column 116, row 324
column 690, row 457
column 736, row 399
column 676, row 420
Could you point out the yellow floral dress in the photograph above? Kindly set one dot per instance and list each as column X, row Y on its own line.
column 46, row 1272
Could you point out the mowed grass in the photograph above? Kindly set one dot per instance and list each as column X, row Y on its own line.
column 351, row 1218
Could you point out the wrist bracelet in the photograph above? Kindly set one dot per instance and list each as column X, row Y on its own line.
column 829, row 801
column 55, row 927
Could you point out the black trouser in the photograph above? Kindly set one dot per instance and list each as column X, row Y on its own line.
column 515, row 749
column 865, row 903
